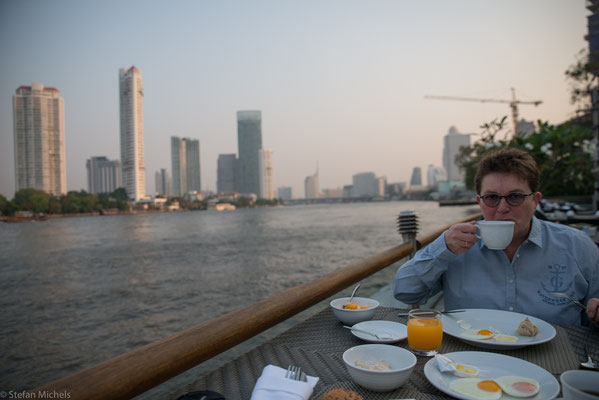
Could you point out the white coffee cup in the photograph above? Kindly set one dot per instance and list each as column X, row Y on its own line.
column 497, row 235
column 580, row 385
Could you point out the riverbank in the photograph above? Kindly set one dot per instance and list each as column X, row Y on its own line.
column 46, row 217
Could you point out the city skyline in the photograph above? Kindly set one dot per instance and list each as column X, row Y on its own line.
column 339, row 82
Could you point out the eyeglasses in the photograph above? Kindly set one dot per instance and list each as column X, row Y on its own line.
column 513, row 199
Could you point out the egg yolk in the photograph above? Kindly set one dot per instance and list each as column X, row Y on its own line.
column 485, row 332
column 468, row 370
column 489, row 386
column 524, row 387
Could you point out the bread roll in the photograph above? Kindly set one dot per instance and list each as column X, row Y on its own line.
column 527, row 328
column 341, row 394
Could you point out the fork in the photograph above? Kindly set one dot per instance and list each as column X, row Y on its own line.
column 295, row 373
column 589, row 364
column 566, row 296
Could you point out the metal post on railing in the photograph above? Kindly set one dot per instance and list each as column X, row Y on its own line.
column 407, row 225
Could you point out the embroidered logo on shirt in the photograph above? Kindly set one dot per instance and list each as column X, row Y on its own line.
column 554, row 281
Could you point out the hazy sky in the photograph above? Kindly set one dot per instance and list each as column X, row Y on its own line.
column 340, row 83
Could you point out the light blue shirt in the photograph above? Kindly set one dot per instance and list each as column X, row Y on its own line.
column 554, row 258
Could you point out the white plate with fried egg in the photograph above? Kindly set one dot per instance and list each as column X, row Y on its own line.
column 495, row 329
column 501, row 374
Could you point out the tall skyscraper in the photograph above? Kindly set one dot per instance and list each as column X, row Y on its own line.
column 38, row 125
column 103, row 175
column 312, row 186
column 185, row 159
column 435, row 175
column 267, row 190
column 416, row 180
column 226, row 173
column 453, row 141
column 132, row 132
column 249, row 141
column 163, row 183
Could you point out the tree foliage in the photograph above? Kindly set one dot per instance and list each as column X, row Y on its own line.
column 563, row 154
column 582, row 78
column 38, row 201
column 33, row 200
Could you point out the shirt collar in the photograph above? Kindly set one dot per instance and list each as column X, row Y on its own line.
column 535, row 236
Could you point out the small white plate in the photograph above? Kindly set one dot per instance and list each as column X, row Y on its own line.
column 505, row 322
column 395, row 329
column 492, row 365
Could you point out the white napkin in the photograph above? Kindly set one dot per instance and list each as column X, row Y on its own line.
column 272, row 385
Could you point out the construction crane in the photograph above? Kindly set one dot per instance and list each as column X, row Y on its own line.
column 513, row 104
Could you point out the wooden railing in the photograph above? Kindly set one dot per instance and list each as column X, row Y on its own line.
column 141, row 369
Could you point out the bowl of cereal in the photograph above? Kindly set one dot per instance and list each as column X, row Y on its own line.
column 379, row 367
column 360, row 309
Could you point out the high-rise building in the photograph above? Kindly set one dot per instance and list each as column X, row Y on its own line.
column 226, row 173
column 38, row 118
column 382, row 186
column 416, row 179
column 396, row 189
column 526, row 128
column 267, row 190
column 453, row 141
column 285, row 193
column 103, row 175
column 185, row 159
column 435, row 175
column 312, row 186
column 132, row 133
column 163, row 183
column 249, row 141
column 367, row 184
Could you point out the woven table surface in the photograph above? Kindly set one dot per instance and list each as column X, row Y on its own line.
column 317, row 345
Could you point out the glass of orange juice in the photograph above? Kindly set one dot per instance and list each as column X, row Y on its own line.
column 425, row 331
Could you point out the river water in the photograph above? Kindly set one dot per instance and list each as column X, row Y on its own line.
column 79, row 291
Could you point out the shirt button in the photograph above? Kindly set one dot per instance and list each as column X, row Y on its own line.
column 518, row 255
column 511, row 281
column 511, row 308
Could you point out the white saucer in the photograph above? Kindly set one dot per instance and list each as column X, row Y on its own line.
column 397, row 331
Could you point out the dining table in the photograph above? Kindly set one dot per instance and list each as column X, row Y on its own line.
column 317, row 345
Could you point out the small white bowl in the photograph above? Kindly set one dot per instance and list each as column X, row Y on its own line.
column 579, row 384
column 401, row 360
column 351, row 317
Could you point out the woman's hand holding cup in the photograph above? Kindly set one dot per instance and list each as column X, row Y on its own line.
column 460, row 237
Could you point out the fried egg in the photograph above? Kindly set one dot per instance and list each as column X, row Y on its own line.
column 505, row 338
column 465, row 371
column 464, row 324
column 477, row 388
column 481, row 334
column 518, row 386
